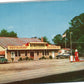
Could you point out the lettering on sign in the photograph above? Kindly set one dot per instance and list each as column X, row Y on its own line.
column 17, row 47
column 56, row 47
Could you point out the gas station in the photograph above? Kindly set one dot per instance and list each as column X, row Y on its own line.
column 75, row 57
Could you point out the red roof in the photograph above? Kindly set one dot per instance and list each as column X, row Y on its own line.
column 66, row 48
column 9, row 41
column 2, row 52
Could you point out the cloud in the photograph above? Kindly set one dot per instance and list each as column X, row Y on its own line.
column 3, row 1
column 53, row 36
column 10, row 27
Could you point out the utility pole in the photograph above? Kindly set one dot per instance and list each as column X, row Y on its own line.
column 71, row 42
column 65, row 42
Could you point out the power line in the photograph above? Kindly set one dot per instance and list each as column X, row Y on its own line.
column 77, row 42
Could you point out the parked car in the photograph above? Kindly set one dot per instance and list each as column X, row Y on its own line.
column 3, row 60
column 63, row 55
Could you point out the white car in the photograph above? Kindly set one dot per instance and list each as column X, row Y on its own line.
column 62, row 55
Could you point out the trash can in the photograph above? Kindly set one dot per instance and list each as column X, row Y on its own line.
column 71, row 58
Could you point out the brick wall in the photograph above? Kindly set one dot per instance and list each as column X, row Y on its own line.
column 36, row 57
column 8, row 56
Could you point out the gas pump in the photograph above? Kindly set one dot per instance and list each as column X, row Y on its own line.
column 76, row 55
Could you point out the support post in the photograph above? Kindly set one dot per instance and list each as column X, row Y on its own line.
column 6, row 53
column 65, row 42
column 71, row 42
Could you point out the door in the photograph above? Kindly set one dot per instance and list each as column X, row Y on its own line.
column 13, row 54
column 32, row 55
column 53, row 54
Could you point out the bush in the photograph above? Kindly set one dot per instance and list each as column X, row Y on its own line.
column 62, row 57
column 42, row 58
column 20, row 59
column 3, row 60
column 12, row 59
column 30, row 58
column 50, row 57
column 27, row 58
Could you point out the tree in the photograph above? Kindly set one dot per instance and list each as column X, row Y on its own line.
column 57, row 39
column 5, row 33
column 12, row 34
column 45, row 39
column 77, row 21
column 77, row 29
column 80, row 45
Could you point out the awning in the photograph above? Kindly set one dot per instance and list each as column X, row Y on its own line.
column 2, row 52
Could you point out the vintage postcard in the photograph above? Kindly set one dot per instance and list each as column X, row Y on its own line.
column 41, row 41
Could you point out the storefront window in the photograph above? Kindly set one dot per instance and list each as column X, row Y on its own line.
column 43, row 53
column 15, row 53
column 47, row 53
column 37, row 53
column 25, row 53
column 18, row 53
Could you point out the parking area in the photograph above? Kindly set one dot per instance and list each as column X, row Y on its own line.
column 33, row 69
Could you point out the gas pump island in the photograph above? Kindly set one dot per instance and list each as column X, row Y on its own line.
column 76, row 55
column 76, row 59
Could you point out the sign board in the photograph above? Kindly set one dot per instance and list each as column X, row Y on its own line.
column 32, row 47
column 53, row 47
column 17, row 47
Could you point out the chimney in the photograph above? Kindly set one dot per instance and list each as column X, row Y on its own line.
column 41, row 39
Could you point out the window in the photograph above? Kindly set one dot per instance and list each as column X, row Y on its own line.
column 25, row 53
column 12, row 54
column 15, row 53
column 18, row 53
column 37, row 53
column 47, row 52
column 43, row 53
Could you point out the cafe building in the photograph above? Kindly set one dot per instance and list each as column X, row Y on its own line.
column 26, row 47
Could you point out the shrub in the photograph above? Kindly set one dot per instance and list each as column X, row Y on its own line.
column 12, row 59
column 30, row 58
column 50, row 57
column 26, row 58
column 20, row 59
column 3, row 60
column 42, row 58
column 62, row 57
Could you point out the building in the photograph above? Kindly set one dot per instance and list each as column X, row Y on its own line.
column 22, row 47
column 64, row 50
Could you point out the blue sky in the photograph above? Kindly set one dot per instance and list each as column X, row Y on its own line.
column 29, row 19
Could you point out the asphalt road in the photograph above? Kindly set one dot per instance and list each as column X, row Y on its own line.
column 76, row 76
column 42, row 71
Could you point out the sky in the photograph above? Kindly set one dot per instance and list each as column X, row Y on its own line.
column 41, row 18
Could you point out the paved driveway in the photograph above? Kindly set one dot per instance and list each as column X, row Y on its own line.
column 34, row 69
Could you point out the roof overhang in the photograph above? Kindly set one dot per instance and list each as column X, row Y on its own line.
column 38, row 42
column 2, row 52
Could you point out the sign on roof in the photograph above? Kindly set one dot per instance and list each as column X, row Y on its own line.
column 17, row 47
column 33, row 46
column 53, row 47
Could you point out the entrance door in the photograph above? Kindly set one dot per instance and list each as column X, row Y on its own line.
column 32, row 55
column 13, row 54
column 53, row 54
